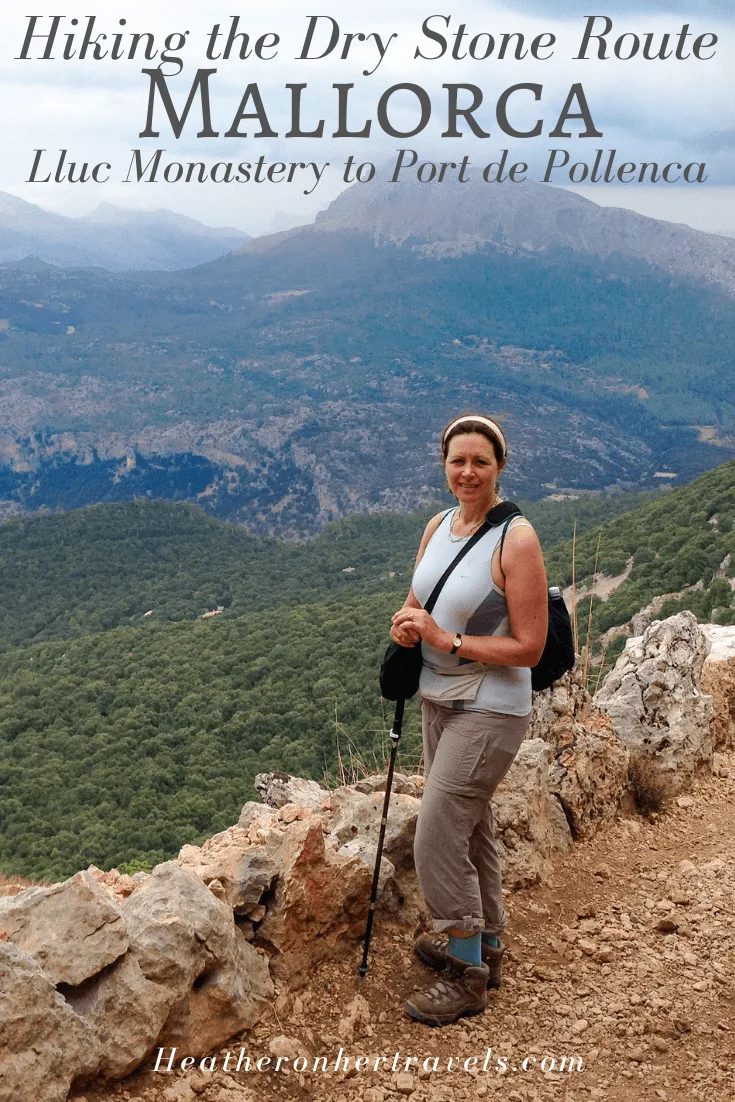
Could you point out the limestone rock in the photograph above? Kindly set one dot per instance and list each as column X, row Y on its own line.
column 126, row 1011
column 189, row 978
column 320, row 897
column 643, row 619
column 567, row 700
column 217, row 889
column 184, row 937
column 244, row 870
column 73, row 929
column 227, row 997
column 315, row 890
column 654, row 697
column 589, row 773
column 118, row 884
column 357, row 816
column 277, row 789
column 530, row 825
column 366, row 851
column 403, row 785
column 356, row 1018
column 288, row 1047
column 44, row 1044
column 254, row 812
column 181, row 1091
column 718, row 679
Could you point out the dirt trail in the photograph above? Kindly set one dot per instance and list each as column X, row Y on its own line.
column 651, row 1013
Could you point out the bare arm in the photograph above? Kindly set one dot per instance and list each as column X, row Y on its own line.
column 526, row 594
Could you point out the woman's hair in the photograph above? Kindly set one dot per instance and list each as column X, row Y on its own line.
column 467, row 422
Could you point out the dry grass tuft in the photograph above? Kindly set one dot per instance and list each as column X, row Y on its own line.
column 649, row 787
column 354, row 765
column 12, row 885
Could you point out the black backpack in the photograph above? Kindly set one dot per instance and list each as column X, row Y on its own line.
column 558, row 656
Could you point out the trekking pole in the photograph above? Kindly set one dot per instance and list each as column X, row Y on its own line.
column 395, row 736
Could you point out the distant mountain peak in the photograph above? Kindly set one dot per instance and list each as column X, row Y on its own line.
column 31, row 264
column 112, row 214
column 449, row 219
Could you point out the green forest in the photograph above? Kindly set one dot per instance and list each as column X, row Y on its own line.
column 107, row 566
column 127, row 744
column 122, row 736
column 683, row 543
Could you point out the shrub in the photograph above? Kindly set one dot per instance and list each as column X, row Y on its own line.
column 649, row 788
column 129, row 868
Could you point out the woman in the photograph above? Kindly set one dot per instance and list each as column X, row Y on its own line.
column 487, row 630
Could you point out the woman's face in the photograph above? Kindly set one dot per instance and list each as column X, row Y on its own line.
column 471, row 468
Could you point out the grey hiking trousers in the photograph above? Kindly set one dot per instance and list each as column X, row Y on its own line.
column 466, row 755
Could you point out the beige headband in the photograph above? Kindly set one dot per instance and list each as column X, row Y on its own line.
column 495, row 429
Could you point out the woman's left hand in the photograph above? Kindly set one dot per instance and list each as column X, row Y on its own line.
column 422, row 623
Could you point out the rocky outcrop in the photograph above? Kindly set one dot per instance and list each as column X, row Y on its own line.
column 277, row 789
column 589, row 770
column 355, row 817
column 302, row 878
column 88, row 929
column 321, row 899
column 403, row 785
column 718, row 681
column 530, row 825
column 98, row 971
column 175, row 970
column 233, row 859
column 44, row 1044
column 185, row 939
column 655, row 701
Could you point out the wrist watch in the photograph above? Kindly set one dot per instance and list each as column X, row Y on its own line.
column 456, row 643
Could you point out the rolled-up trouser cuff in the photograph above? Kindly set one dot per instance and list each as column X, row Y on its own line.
column 468, row 923
column 497, row 928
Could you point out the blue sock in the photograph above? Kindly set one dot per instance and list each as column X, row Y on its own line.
column 491, row 940
column 466, row 948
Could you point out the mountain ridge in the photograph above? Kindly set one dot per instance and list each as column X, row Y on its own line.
column 525, row 217
column 131, row 239
column 307, row 376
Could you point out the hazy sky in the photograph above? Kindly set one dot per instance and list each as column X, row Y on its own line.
column 647, row 110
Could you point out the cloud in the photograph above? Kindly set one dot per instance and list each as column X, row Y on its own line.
column 558, row 9
column 96, row 109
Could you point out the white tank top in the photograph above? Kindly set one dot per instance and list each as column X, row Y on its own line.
column 469, row 603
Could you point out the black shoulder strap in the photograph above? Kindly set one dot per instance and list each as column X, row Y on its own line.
column 484, row 527
column 502, row 511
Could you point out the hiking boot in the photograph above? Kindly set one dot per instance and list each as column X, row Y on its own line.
column 460, row 992
column 433, row 950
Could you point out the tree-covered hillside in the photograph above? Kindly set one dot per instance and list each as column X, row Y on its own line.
column 309, row 380
column 682, row 543
column 126, row 744
column 109, row 565
column 368, row 309
column 122, row 745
